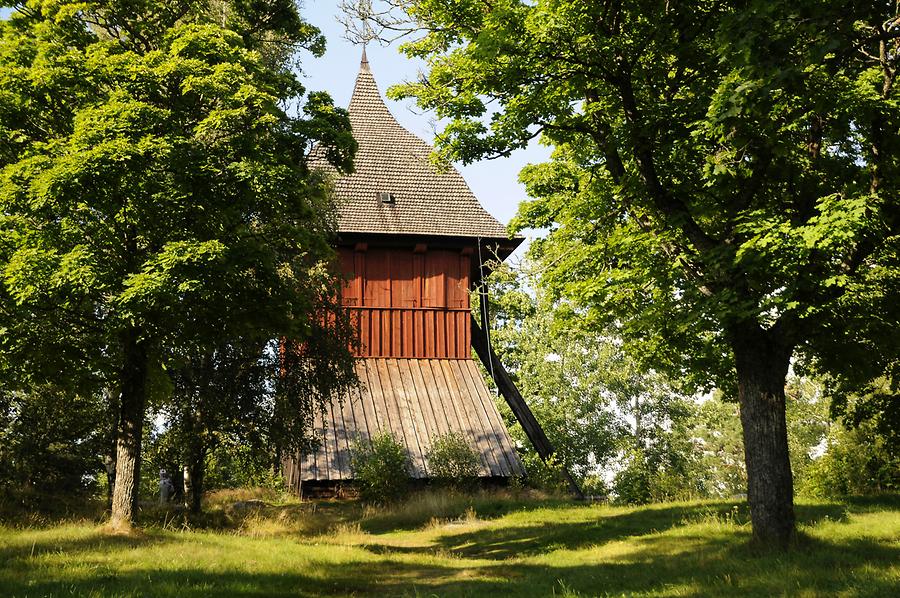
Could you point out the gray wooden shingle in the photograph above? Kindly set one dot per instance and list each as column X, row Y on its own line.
column 427, row 201
column 453, row 390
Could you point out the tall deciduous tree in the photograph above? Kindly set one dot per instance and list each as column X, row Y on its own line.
column 154, row 194
column 724, row 185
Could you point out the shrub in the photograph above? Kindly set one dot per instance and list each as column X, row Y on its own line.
column 548, row 476
column 856, row 461
column 649, row 477
column 379, row 467
column 452, row 461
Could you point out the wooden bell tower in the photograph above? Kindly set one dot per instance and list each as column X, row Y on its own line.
column 410, row 241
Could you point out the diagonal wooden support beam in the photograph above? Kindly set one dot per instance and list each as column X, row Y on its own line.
column 515, row 400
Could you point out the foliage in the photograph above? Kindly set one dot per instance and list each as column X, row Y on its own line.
column 51, row 442
column 380, row 468
column 545, row 475
column 718, row 429
column 232, row 464
column 874, row 405
column 856, row 461
column 601, row 410
column 219, row 398
column 717, row 426
column 178, row 139
column 577, row 381
column 452, row 461
column 664, row 462
column 809, row 423
column 229, row 462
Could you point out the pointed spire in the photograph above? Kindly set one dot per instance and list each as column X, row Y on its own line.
column 364, row 62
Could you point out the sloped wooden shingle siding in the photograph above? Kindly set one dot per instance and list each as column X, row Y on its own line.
column 416, row 400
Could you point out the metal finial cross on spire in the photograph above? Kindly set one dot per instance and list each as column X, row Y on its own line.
column 364, row 61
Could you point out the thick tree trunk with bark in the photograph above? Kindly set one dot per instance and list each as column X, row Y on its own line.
column 128, row 434
column 197, row 474
column 762, row 365
column 194, row 470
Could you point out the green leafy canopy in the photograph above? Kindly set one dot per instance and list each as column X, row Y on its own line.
column 153, row 176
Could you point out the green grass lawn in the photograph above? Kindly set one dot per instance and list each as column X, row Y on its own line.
column 452, row 546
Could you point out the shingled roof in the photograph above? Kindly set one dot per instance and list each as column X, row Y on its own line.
column 390, row 159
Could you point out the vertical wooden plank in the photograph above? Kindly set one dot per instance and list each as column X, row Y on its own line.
column 374, row 348
column 435, row 288
column 418, row 288
column 308, row 468
column 370, row 422
column 407, row 421
column 365, row 340
column 350, row 287
column 484, row 411
column 401, row 270
column 429, row 329
column 467, row 426
column 349, row 430
column 386, row 332
column 425, row 385
column 444, row 403
column 321, row 454
column 456, row 290
column 339, row 433
column 500, row 432
column 417, row 409
column 467, row 326
column 409, row 333
column 477, row 418
column 459, row 334
column 465, row 282
column 404, row 297
column 451, row 333
column 377, row 394
column 396, row 332
column 377, row 291
column 423, row 334
column 287, row 468
column 392, row 412
column 355, row 418
column 359, row 265
column 331, row 443
column 377, row 333
column 440, row 334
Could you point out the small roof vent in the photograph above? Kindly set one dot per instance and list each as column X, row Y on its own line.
column 386, row 197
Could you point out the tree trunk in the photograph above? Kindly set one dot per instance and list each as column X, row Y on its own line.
column 197, row 474
column 194, row 450
column 762, row 363
column 128, row 437
column 188, row 485
column 194, row 470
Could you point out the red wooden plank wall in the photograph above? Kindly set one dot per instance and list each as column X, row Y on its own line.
column 408, row 304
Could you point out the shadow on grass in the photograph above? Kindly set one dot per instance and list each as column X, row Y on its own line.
column 701, row 560
column 688, row 565
column 424, row 507
column 538, row 538
column 499, row 543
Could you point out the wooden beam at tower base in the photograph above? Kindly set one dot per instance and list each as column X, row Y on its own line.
column 516, row 402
